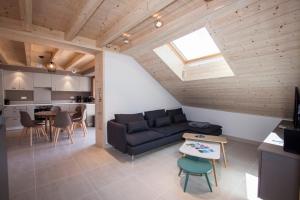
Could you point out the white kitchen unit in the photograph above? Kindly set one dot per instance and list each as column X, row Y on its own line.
column 12, row 116
column 42, row 80
column 90, row 112
column 18, row 80
column 65, row 83
column 85, row 84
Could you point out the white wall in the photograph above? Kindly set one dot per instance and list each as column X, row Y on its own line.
column 128, row 88
column 245, row 126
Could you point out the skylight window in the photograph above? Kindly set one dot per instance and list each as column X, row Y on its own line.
column 194, row 56
column 196, row 45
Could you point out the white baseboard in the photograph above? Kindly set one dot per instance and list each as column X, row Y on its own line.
column 237, row 139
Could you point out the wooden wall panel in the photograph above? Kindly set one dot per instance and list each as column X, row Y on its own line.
column 259, row 39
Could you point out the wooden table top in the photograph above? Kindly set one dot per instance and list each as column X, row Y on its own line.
column 207, row 138
column 50, row 113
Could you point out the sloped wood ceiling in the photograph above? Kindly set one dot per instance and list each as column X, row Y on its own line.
column 260, row 39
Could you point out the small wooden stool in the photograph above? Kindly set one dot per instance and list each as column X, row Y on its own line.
column 194, row 166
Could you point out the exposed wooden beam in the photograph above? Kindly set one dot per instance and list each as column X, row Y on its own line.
column 74, row 61
column 87, row 66
column 56, row 54
column 3, row 57
column 88, row 71
column 46, row 39
column 25, row 7
column 142, row 11
column 82, row 44
column 27, row 47
column 99, row 82
column 82, row 18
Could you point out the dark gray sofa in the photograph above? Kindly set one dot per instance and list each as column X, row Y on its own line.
column 138, row 133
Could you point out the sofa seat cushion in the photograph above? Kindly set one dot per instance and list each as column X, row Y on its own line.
column 172, row 129
column 142, row 137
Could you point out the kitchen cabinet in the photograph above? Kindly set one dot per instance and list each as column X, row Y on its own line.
column 18, row 80
column 65, row 83
column 11, row 80
column 90, row 112
column 42, row 80
column 12, row 116
column 85, row 84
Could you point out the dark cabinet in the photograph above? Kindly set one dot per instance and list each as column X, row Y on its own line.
column 3, row 163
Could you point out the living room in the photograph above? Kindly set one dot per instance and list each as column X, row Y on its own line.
column 152, row 99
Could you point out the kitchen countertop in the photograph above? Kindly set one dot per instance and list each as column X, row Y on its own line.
column 36, row 104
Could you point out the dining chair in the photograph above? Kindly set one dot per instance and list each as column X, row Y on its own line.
column 56, row 109
column 30, row 125
column 80, row 120
column 62, row 122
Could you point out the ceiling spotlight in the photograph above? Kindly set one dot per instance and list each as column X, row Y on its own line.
column 158, row 23
column 125, row 41
column 74, row 71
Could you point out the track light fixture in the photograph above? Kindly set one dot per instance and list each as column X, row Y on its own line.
column 158, row 22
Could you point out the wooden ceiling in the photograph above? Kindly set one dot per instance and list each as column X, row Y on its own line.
column 260, row 40
column 72, row 28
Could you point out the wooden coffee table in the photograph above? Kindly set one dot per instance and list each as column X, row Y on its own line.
column 209, row 138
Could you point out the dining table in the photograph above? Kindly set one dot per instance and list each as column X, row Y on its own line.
column 49, row 116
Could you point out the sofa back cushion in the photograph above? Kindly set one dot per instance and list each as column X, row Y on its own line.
column 150, row 116
column 126, row 118
column 162, row 121
column 137, row 126
column 179, row 118
column 173, row 112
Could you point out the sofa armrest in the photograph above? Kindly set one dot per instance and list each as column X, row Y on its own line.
column 116, row 135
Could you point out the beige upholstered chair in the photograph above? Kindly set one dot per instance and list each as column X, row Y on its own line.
column 30, row 125
column 79, row 120
column 62, row 121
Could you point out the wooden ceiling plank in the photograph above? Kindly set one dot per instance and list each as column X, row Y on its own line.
column 82, row 18
column 27, row 47
column 74, row 61
column 141, row 12
column 25, row 7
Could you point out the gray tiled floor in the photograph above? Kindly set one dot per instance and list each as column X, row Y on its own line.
column 84, row 172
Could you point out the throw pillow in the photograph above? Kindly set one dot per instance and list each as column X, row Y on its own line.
column 137, row 126
column 173, row 112
column 162, row 121
column 150, row 116
column 180, row 118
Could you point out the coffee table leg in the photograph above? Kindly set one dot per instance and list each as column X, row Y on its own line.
column 224, row 154
column 214, row 171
